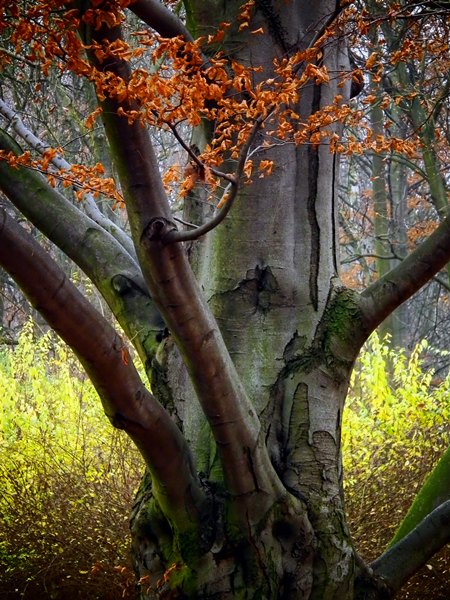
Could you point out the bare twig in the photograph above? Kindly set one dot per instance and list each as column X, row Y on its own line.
column 229, row 177
column 228, row 196
column 18, row 57
column 59, row 162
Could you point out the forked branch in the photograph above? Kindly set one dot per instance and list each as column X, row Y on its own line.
column 90, row 246
column 126, row 401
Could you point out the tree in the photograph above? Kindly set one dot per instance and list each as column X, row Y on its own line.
column 237, row 313
column 407, row 94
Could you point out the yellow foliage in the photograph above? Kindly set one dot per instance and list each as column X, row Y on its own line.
column 396, row 427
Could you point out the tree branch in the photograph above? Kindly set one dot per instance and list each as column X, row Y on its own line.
column 435, row 491
column 103, row 259
column 228, row 197
column 60, row 163
column 357, row 257
column 160, row 18
column 18, row 57
column 391, row 290
column 126, row 401
column 399, row 563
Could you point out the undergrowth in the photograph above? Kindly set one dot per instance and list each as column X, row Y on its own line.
column 67, row 479
column 396, row 427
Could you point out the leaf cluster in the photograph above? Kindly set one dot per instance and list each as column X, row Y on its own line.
column 174, row 82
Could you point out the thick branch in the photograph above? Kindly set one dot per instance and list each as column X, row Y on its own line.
column 383, row 296
column 400, row 562
column 234, row 423
column 103, row 259
column 160, row 18
column 127, row 403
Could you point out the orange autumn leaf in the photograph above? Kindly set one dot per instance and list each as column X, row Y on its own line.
column 223, row 201
column 90, row 120
column 248, row 168
column 266, row 167
column 371, row 60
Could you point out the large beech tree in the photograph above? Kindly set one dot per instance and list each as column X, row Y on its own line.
column 236, row 310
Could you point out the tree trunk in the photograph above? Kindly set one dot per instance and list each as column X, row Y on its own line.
column 269, row 274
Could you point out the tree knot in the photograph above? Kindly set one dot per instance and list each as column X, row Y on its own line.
column 157, row 230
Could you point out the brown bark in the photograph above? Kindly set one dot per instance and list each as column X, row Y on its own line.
column 160, row 18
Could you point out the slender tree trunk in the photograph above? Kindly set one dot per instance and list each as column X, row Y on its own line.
column 381, row 219
column 398, row 191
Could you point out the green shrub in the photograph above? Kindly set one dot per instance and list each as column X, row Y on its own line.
column 66, row 480
column 396, row 427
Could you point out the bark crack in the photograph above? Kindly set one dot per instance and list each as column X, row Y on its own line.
column 313, row 175
column 333, row 213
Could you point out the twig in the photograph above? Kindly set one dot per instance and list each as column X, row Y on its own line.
column 228, row 196
column 18, row 57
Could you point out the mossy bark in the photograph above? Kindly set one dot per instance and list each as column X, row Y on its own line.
column 435, row 491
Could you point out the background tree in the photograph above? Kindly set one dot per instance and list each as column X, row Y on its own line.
column 237, row 313
column 407, row 96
